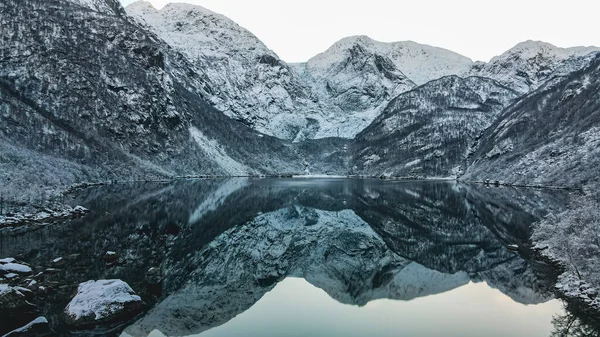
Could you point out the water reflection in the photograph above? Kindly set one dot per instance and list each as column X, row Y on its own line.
column 378, row 250
column 296, row 308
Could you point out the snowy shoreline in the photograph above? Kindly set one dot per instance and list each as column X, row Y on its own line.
column 41, row 218
column 570, row 242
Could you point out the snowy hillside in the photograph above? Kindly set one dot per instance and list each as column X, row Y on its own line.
column 427, row 132
column 529, row 64
column 548, row 137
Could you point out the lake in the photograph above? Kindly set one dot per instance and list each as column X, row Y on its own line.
column 302, row 257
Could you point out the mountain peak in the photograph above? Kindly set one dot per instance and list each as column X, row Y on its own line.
column 531, row 48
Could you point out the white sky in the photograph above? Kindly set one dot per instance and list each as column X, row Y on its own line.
column 479, row 29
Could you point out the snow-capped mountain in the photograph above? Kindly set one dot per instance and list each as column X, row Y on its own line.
column 89, row 93
column 529, row 64
column 548, row 137
column 355, row 80
column 420, row 63
column 339, row 92
column 335, row 94
column 245, row 80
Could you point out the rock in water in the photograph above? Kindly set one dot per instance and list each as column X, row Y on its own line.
column 102, row 301
column 37, row 327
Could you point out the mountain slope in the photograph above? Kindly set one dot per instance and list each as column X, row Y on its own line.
column 548, row 137
column 427, row 132
column 118, row 104
column 245, row 79
column 529, row 64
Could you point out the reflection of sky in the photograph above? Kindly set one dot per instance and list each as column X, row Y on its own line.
column 296, row 308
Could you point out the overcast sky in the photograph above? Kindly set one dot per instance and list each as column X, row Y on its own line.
column 479, row 29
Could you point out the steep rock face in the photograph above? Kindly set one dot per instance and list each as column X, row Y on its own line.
column 245, row 79
column 548, row 137
column 530, row 64
column 110, row 99
column 428, row 132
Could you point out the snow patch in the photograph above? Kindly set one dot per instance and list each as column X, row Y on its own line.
column 214, row 150
column 15, row 268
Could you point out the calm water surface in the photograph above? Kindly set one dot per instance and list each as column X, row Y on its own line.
column 310, row 257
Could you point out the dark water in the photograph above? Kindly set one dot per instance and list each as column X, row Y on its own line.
column 307, row 257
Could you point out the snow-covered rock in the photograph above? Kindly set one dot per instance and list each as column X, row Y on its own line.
column 15, row 268
column 37, row 327
column 101, row 301
column 12, row 299
column 102, row 6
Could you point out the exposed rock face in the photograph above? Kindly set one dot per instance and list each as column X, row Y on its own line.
column 428, row 132
column 528, row 65
column 548, row 137
column 102, row 301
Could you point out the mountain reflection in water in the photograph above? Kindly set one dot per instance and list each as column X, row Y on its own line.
column 255, row 257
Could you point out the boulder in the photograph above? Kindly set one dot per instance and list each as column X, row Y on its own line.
column 37, row 327
column 102, row 301
column 11, row 299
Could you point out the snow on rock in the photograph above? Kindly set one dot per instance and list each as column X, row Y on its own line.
column 103, row 6
column 101, row 301
column 12, row 299
column 42, row 217
column 15, row 268
column 38, row 326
